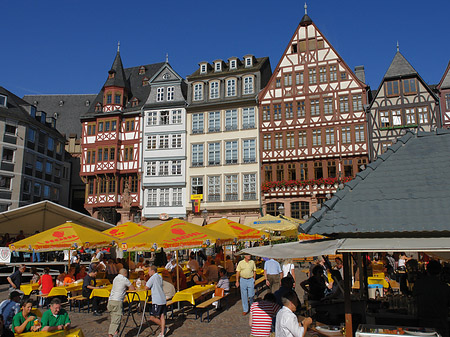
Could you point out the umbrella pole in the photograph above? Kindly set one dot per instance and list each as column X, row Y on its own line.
column 347, row 299
column 178, row 274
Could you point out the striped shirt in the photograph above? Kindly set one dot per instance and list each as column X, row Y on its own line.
column 262, row 313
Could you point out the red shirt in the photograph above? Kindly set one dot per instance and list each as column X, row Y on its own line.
column 262, row 313
column 47, row 283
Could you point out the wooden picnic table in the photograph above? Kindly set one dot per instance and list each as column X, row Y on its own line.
column 193, row 293
column 63, row 333
column 101, row 292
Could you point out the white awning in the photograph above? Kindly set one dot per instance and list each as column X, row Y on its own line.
column 250, row 219
column 292, row 250
column 234, row 218
column 198, row 221
column 152, row 223
column 44, row 215
column 396, row 245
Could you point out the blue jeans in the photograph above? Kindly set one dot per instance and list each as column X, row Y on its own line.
column 247, row 292
column 36, row 257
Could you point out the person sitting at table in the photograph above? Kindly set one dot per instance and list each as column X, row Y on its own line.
column 207, row 263
column 193, row 264
column 140, row 282
column 262, row 315
column 316, row 284
column 140, row 263
column 212, row 272
column 70, row 277
column 229, row 266
column 89, row 283
column 223, row 282
column 197, row 278
column 169, row 289
column 115, row 302
column 111, row 270
column 35, row 275
column 4, row 332
column 55, row 318
column 45, row 285
column 82, row 274
column 287, row 322
column 169, row 265
column 60, row 279
column 25, row 321
column 9, row 308
column 181, row 277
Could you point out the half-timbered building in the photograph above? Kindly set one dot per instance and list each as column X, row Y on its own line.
column 222, row 137
column 403, row 101
column 111, row 143
column 312, row 124
column 443, row 89
column 164, row 147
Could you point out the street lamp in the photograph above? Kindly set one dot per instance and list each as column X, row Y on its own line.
column 281, row 209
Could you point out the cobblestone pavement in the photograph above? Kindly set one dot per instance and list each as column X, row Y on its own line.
column 225, row 323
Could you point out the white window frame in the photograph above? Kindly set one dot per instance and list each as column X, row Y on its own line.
column 164, row 197
column 177, row 117
column 152, row 142
column 203, row 68
column 248, row 85
column 248, row 118
column 231, row 152
column 233, row 64
column 152, row 118
column 214, row 153
column 231, row 120
column 197, row 155
column 249, row 186
column 151, row 169
column 164, row 117
column 198, row 92
column 170, row 93
column 163, row 142
column 214, row 90
column 231, row 87
column 176, row 141
column 177, row 196
column 231, row 187
column 214, row 188
column 160, row 94
column 3, row 101
column 196, row 182
column 198, row 122
column 176, row 168
column 248, row 62
column 163, row 169
column 249, row 150
column 214, row 121
column 218, row 66
column 152, row 197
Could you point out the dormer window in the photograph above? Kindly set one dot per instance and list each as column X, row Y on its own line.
column 141, row 70
column 111, row 74
column 108, row 98
column 233, row 64
column 218, row 66
column 145, row 81
column 87, row 103
column 3, row 100
column 43, row 117
column 98, row 107
column 248, row 62
column 203, row 68
column 134, row 102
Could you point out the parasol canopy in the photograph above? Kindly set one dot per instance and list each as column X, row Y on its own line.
column 273, row 223
column 174, row 234
column 125, row 230
column 235, row 229
column 66, row 236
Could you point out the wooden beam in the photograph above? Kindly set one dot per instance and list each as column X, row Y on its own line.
column 347, row 299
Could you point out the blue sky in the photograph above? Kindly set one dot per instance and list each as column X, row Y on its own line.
column 56, row 47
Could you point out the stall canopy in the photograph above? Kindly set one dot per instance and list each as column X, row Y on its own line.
column 294, row 250
column 125, row 230
column 272, row 223
column 404, row 193
column 235, row 229
column 44, row 215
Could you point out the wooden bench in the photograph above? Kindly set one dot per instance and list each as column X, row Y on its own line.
column 78, row 299
column 206, row 305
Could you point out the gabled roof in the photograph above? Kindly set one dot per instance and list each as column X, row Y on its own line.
column 136, row 89
column 119, row 79
column 400, row 67
column 404, row 191
column 445, row 80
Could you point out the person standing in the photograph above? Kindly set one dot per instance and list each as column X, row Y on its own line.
column 229, row 266
column 15, row 279
column 158, row 307
column 289, row 270
column 272, row 274
column 89, row 283
column 115, row 302
column 45, row 285
column 245, row 277
column 287, row 324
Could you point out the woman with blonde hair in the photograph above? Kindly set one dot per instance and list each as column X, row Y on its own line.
column 289, row 269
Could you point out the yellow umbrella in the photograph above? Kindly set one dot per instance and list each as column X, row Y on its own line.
column 273, row 223
column 65, row 236
column 236, row 230
column 174, row 234
column 125, row 230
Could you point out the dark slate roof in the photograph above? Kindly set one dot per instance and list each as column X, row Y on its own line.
column 399, row 67
column 119, row 79
column 67, row 110
column 405, row 190
column 136, row 89
column 17, row 109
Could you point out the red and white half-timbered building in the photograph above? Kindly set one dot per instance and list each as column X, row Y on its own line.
column 444, row 96
column 312, row 123
column 111, row 141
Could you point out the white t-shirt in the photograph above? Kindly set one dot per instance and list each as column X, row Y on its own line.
column 119, row 288
column 287, row 268
column 287, row 324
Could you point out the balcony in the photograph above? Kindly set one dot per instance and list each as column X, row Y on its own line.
column 231, row 197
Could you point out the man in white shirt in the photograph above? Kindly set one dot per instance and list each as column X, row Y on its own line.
column 115, row 302
column 287, row 324
column 170, row 265
column 158, row 307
